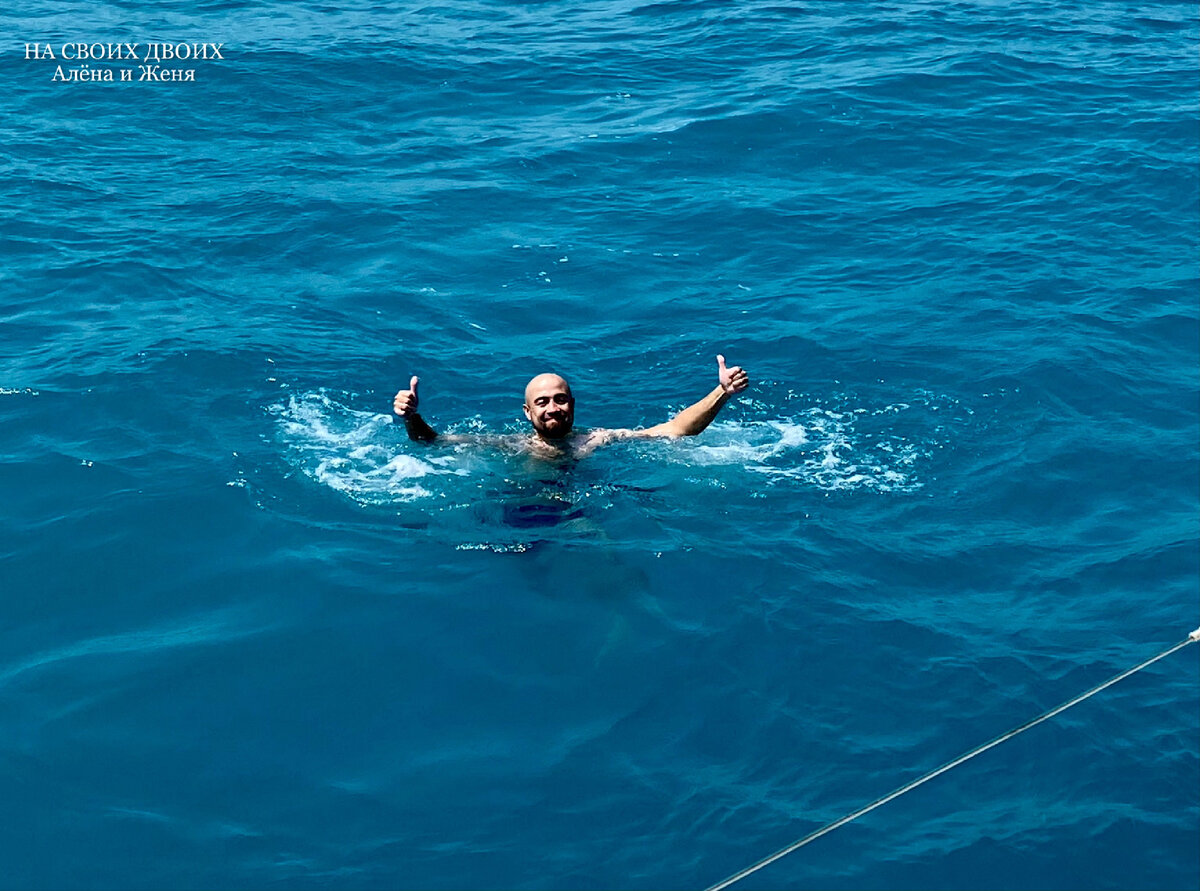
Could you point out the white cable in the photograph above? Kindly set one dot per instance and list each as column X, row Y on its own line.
column 907, row 787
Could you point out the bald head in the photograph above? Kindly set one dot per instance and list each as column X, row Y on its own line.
column 543, row 381
column 550, row 406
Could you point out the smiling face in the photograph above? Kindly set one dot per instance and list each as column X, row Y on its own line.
column 550, row 406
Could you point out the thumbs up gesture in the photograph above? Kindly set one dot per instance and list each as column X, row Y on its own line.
column 733, row 380
column 405, row 403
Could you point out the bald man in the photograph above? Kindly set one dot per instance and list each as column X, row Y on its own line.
column 550, row 408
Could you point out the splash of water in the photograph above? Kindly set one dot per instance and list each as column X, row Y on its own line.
column 355, row 452
column 363, row 456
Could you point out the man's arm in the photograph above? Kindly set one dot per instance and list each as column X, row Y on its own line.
column 405, row 407
column 699, row 415
column 695, row 417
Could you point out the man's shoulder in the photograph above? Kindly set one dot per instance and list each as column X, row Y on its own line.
column 591, row 440
column 604, row 435
column 512, row 441
column 599, row 436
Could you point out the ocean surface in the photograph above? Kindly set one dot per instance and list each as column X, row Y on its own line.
column 253, row 637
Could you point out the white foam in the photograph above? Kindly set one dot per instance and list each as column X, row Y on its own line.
column 360, row 454
column 820, row 449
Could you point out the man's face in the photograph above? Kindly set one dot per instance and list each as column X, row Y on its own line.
column 550, row 406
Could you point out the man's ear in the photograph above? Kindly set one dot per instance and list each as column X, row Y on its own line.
column 525, row 408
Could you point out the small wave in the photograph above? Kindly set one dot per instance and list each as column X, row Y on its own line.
column 218, row 627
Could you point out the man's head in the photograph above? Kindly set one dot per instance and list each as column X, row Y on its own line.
column 550, row 406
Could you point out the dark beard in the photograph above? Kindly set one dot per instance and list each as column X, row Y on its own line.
column 559, row 433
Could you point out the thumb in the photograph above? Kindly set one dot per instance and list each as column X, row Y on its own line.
column 412, row 384
column 721, row 364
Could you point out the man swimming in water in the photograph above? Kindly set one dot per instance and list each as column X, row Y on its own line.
column 550, row 407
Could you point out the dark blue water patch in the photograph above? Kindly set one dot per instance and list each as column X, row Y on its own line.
column 532, row 514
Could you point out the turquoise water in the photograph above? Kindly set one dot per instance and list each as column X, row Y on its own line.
column 250, row 636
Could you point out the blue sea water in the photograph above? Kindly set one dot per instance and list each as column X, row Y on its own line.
column 251, row 636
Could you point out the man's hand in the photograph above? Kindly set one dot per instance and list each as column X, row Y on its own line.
column 696, row 417
column 733, row 380
column 405, row 403
column 405, row 407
